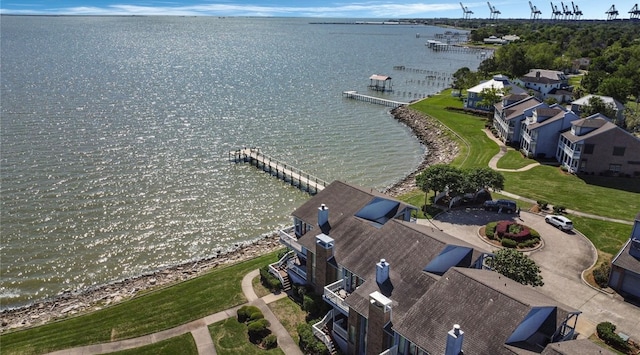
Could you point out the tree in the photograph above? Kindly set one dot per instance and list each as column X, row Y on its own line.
column 516, row 266
column 596, row 105
column 464, row 78
column 440, row 177
column 618, row 88
column 483, row 178
column 490, row 96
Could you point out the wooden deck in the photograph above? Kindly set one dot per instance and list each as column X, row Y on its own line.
column 279, row 169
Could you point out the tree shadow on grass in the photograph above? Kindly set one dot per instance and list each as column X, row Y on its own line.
column 629, row 184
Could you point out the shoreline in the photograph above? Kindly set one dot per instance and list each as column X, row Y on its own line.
column 439, row 150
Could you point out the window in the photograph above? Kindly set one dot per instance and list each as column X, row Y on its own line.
column 618, row 151
column 588, row 148
column 615, row 168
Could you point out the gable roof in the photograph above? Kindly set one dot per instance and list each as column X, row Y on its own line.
column 606, row 99
column 600, row 124
column 517, row 109
column 545, row 74
column 499, row 83
column 489, row 308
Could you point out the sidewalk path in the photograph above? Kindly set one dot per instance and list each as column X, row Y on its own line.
column 199, row 328
column 493, row 163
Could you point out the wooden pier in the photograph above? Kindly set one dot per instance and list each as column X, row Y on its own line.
column 372, row 99
column 296, row 177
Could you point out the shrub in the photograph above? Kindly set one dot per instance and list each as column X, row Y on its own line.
column 512, row 230
column 270, row 341
column 309, row 344
column 257, row 330
column 269, row 281
column 559, row 209
column 255, row 316
column 543, row 204
column 282, row 253
column 601, row 274
column 490, row 230
column 509, row 243
column 245, row 312
column 606, row 332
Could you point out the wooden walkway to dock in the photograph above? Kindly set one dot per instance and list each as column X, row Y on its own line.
column 296, row 177
column 372, row 99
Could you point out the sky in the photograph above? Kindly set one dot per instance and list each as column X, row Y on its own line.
column 383, row 9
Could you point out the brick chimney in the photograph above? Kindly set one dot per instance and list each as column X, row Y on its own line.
column 324, row 273
column 454, row 341
column 379, row 315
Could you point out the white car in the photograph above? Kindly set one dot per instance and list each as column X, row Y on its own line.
column 560, row 222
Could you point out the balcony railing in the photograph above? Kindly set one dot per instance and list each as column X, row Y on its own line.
column 298, row 269
column 391, row 351
column 335, row 294
column 287, row 237
column 339, row 330
column 574, row 154
column 319, row 333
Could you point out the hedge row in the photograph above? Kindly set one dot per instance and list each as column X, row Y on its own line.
column 606, row 332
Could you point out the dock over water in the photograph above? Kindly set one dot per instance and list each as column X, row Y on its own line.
column 372, row 99
column 279, row 169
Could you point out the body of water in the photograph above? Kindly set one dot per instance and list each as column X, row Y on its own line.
column 115, row 133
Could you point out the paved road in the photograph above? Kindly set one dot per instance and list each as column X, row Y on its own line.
column 199, row 328
column 562, row 259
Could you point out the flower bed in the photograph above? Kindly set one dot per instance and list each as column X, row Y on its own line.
column 513, row 231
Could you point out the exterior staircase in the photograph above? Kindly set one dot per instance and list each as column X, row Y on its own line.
column 286, row 281
column 331, row 346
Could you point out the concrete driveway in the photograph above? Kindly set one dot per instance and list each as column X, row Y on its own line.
column 561, row 259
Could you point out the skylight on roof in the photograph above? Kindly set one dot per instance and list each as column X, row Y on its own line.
column 539, row 320
column 450, row 256
column 379, row 210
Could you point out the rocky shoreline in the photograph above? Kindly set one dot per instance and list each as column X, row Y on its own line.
column 440, row 150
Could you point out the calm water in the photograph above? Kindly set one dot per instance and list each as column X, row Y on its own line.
column 115, row 134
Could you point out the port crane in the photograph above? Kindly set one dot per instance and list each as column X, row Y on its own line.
column 555, row 13
column 466, row 13
column 635, row 12
column 612, row 13
column 493, row 12
column 535, row 13
column 565, row 10
column 577, row 13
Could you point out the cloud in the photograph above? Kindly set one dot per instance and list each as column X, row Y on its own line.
column 361, row 9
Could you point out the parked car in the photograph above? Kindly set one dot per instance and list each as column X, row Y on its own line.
column 560, row 222
column 506, row 206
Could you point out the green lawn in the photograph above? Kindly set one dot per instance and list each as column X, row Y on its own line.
column 290, row 315
column 162, row 309
column 230, row 337
column 607, row 237
column 476, row 149
column 609, row 197
column 558, row 188
column 182, row 344
column 513, row 159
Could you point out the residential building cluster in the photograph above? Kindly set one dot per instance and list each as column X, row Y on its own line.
column 590, row 145
column 396, row 287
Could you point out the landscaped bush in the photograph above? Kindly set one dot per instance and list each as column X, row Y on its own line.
column 601, row 274
column 309, row 344
column 270, row 341
column 606, row 332
column 268, row 280
column 543, row 204
column 314, row 305
column 257, row 330
column 490, row 230
column 559, row 209
column 245, row 313
column 512, row 230
column 508, row 243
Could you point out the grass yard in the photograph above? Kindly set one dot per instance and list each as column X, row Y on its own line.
column 231, row 338
column 215, row 291
column 550, row 184
column 476, row 149
column 182, row 344
column 607, row 237
column 513, row 159
column 290, row 315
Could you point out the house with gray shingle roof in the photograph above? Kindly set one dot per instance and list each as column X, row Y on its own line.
column 509, row 114
column 543, row 82
column 576, row 106
column 498, row 82
column 540, row 131
column 594, row 145
column 625, row 266
column 396, row 287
